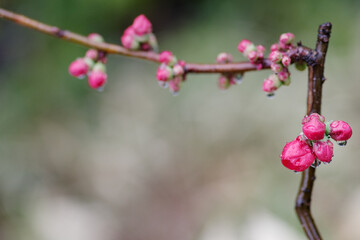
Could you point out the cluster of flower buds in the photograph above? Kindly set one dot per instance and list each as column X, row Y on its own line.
column 139, row 35
column 280, row 62
column 171, row 72
column 92, row 65
column 314, row 143
column 226, row 80
column 255, row 54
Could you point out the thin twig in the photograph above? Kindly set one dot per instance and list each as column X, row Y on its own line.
column 295, row 53
column 117, row 49
column 316, row 80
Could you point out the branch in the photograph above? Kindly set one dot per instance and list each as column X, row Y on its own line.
column 117, row 49
column 316, row 80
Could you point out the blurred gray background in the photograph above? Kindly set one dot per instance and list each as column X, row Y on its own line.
column 134, row 162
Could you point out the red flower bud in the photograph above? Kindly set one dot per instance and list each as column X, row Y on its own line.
column 297, row 155
column 323, row 150
column 314, row 129
column 340, row 131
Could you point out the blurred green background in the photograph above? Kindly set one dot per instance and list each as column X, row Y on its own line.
column 134, row 162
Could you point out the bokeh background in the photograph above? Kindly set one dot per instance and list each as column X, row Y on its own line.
column 134, row 162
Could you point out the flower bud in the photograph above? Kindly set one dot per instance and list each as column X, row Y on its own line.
column 95, row 37
column 178, row 70
column 276, row 67
column 164, row 73
column 142, row 25
column 78, row 68
column 274, row 47
column 260, row 48
column 97, row 79
column 300, row 66
column 283, row 75
column 92, row 54
column 168, row 58
column 243, row 45
column 223, row 82
column 224, row 58
column 271, row 84
column 252, row 56
column 287, row 38
column 297, row 155
column 314, row 129
column 249, row 48
column 340, row 131
column 129, row 41
column 275, row 56
column 286, row 60
column 323, row 150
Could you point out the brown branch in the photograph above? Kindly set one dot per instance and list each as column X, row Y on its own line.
column 316, row 80
column 117, row 49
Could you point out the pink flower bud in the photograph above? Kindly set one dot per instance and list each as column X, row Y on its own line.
column 283, row 75
column 297, row 155
column 178, row 70
column 314, row 129
column 323, row 150
column 223, row 82
column 260, row 55
column 164, row 73
column 97, row 79
column 287, row 38
column 166, row 57
column 340, row 131
column 274, row 47
column 78, row 68
column 286, row 61
column 243, row 45
column 95, row 37
column 260, row 48
column 276, row 67
column 275, row 56
column 249, row 48
column 92, row 54
column 252, row 56
column 271, row 84
column 142, row 25
column 128, row 39
column 224, row 58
